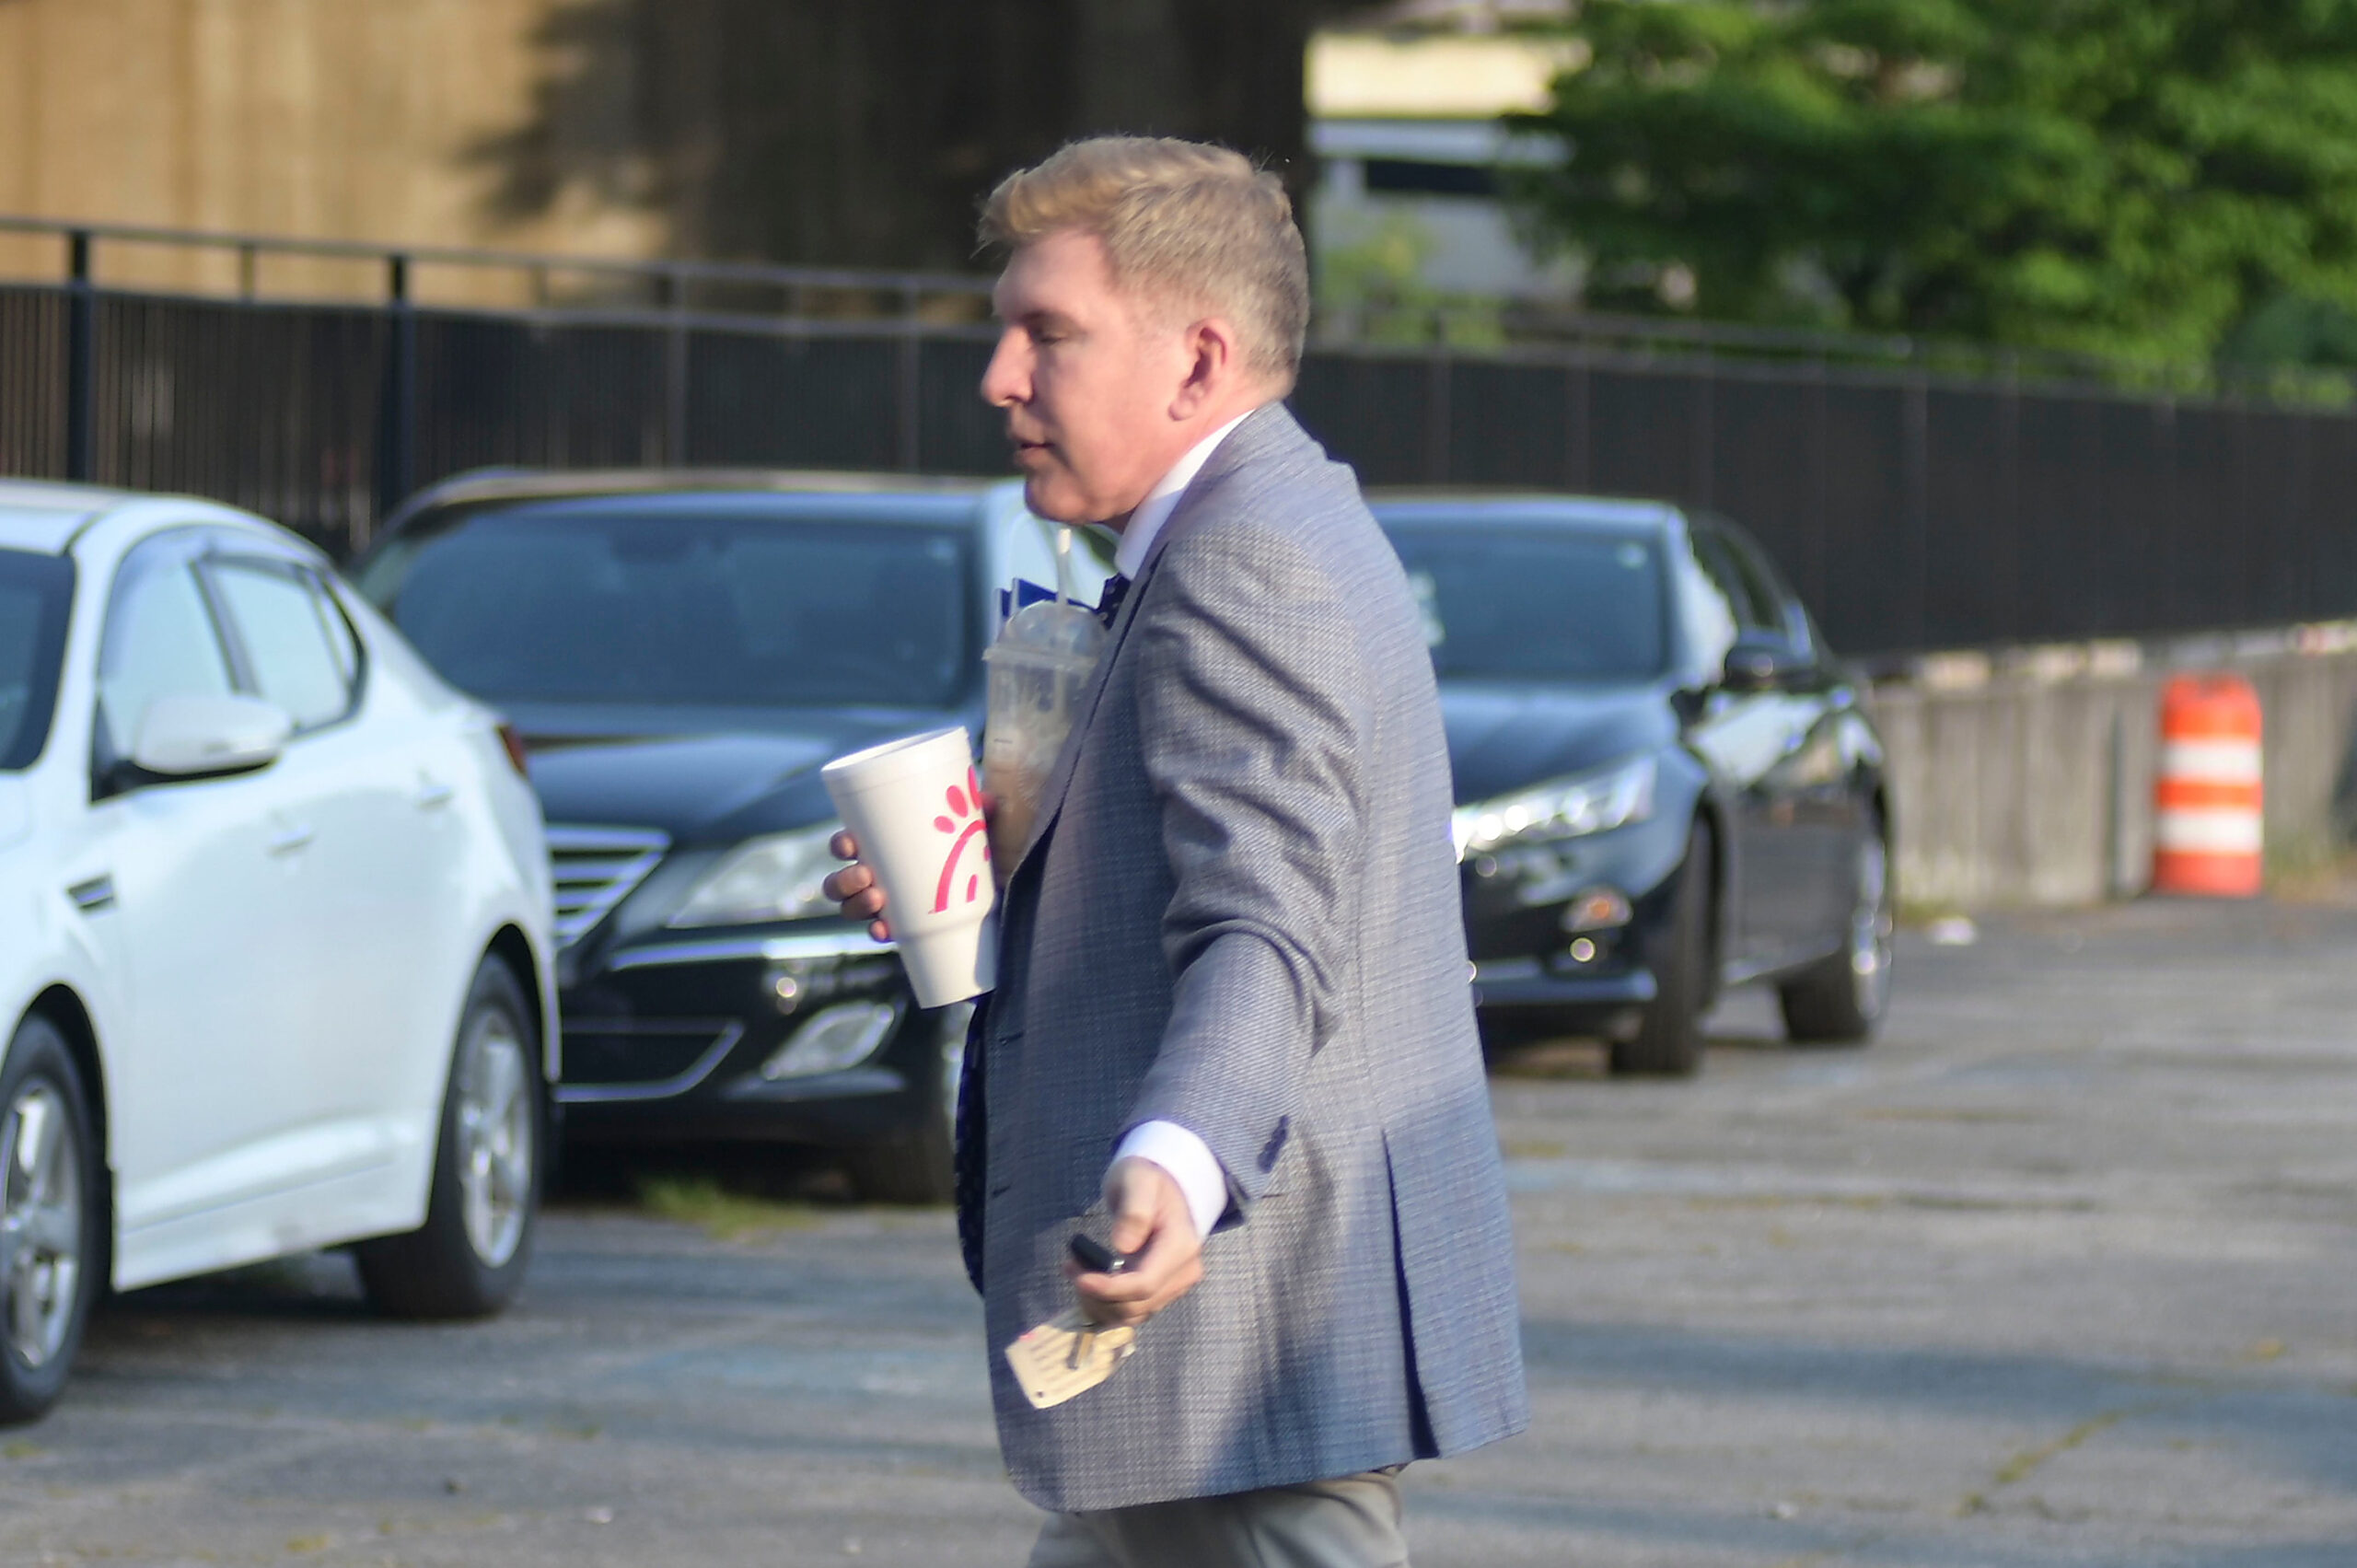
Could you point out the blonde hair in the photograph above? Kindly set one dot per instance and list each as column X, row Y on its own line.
column 1186, row 222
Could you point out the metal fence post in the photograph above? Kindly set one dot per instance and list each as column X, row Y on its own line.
column 81, row 361
column 2170, row 602
column 1703, row 472
column 1915, row 468
column 397, row 453
column 1818, row 569
column 675, row 372
column 1578, row 462
column 908, row 367
column 1439, row 423
column 2014, row 547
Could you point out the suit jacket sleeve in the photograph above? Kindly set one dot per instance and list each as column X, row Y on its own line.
column 1252, row 700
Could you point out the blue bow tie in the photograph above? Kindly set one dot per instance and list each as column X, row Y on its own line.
column 1117, row 587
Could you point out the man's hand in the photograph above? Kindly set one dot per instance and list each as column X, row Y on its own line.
column 1152, row 1224
column 854, row 888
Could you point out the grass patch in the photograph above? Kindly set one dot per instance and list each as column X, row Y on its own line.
column 2020, row 1465
column 724, row 1215
column 1916, row 913
column 2316, row 869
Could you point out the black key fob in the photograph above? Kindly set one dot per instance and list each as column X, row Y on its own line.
column 1095, row 1257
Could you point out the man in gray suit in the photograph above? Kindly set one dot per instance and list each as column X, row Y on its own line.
column 1231, row 960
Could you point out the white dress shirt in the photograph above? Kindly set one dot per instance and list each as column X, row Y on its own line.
column 1180, row 1152
column 1145, row 523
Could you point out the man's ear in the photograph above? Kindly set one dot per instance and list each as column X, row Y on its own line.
column 1215, row 364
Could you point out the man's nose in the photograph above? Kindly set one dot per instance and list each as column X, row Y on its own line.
column 1007, row 377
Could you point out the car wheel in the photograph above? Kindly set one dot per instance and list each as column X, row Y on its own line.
column 1839, row 1001
column 51, row 1219
column 1668, row 1041
column 490, row 1167
column 914, row 1165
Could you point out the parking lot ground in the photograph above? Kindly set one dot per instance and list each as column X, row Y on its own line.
column 2061, row 1271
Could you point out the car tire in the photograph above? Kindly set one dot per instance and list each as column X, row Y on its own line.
column 1840, row 1000
column 914, row 1165
column 53, row 1219
column 1668, row 1041
column 490, row 1168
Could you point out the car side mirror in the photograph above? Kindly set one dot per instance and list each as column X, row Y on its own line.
column 1761, row 664
column 201, row 737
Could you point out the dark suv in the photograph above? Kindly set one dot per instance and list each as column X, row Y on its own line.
column 682, row 652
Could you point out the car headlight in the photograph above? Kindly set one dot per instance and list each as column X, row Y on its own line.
column 773, row 877
column 1560, row 808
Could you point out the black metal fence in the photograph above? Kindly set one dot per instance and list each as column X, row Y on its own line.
column 1913, row 509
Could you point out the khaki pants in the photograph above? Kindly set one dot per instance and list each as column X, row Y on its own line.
column 1352, row 1522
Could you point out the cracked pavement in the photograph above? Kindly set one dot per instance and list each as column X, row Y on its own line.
column 2059, row 1272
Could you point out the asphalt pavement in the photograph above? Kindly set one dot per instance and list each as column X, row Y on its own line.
column 2064, row 1269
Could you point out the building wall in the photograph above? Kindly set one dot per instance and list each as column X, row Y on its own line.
column 1407, row 129
column 329, row 119
column 833, row 132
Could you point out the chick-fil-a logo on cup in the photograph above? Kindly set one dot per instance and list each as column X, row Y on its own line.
column 964, row 822
column 934, row 864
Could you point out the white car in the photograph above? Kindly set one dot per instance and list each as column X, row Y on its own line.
column 275, row 931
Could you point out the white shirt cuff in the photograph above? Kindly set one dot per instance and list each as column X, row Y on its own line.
column 1189, row 1161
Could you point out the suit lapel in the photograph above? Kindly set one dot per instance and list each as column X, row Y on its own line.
column 1265, row 429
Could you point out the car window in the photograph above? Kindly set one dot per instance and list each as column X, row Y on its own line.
column 1767, row 586
column 160, row 641
column 297, row 650
column 1706, row 611
column 751, row 602
column 1512, row 603
column 35, row 592
column 344, row 643
column 1750, row 595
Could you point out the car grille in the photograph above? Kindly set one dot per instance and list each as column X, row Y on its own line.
column 624, row 1059
column 595, row 870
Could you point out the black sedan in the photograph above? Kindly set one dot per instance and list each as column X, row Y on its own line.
column 1665, row 783
column 680, row 652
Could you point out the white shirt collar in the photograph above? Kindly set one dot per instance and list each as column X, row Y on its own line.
column 1147, row 522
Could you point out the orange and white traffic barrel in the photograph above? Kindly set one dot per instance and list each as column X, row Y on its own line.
column 2206, row 834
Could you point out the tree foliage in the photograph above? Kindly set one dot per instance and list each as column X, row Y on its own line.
column 2133, row 177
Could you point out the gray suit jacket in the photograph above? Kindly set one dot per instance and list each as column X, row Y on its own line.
column 1239, row 912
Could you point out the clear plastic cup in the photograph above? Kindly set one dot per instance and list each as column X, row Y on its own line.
column 1039, row 668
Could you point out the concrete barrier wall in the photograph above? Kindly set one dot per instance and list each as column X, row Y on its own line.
column 2034, row 785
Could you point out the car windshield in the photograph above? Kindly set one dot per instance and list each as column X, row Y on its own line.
column 35, row 593
column 729, row 602
column 1511, row 602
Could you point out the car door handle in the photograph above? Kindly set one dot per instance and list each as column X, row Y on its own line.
column 432, row 792
column 94, row 894
column 288, row 836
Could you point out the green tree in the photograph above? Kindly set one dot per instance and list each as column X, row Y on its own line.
column 2133, row 177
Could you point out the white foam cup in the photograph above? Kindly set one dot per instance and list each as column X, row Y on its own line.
column 913, row 806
